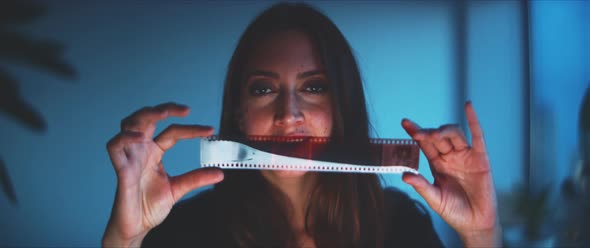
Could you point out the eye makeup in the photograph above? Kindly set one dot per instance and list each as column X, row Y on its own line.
column 260, row 88
column 316, row 86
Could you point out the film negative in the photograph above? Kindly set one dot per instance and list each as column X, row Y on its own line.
column 309, row 154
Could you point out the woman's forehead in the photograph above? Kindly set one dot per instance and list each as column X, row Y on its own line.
column 289, row 51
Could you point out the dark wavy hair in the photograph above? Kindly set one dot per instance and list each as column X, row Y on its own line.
column 345, row 210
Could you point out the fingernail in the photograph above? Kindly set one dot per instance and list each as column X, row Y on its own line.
column 406, row 178
column 406, row 120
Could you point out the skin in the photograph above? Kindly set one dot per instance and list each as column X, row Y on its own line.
column 287, row 101
column 286, row 93
column 463, row 191
column 145, row 193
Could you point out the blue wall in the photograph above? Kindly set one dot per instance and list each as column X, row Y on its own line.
column 130, row 55
column 561, row 75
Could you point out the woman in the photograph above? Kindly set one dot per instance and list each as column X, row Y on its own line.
column 293, row 73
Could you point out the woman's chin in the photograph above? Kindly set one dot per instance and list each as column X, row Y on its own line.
column 286, row 173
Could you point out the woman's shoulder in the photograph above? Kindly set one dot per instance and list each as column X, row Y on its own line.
column 400, row 206
column 187, row 211
column 408, row 222
column 201, row 201
column 395, row 198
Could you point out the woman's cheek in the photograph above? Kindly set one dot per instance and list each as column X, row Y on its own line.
column 256, row 121
column 321, row 119
column 323, row 125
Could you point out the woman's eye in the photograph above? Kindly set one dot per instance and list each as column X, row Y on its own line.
column 316, row 88
column 259, row 89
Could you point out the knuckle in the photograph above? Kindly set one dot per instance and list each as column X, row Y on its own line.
column 170, row 130
column 142, row 112
column 138, row 119
column 450, row 129
column 113, row 142
column 429, row 132
column 127, row 123
column 165, row 105
column 450, row 126
column 136, row 113
column 176, row 127
column 123, row 137
column 436, row 135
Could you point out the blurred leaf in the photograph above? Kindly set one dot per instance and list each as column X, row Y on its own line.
column 12, row 104
column 519, row 206
column 568, row 189
column 13, row 12
column 45, row 54
column 584, row 127
column 585, row 111
column 507, row 202
column 7, row 183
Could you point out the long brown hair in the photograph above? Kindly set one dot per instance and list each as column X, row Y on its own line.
column 345, row 210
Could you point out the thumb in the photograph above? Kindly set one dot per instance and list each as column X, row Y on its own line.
column 428, row 191
column 182, row 184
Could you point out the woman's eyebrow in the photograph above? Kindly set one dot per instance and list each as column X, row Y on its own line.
column 263, row 73
column 274, row 75
column 309, row 73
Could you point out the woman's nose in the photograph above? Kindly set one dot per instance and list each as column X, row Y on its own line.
column 288, row 111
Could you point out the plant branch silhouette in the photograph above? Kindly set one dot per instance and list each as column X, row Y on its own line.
column 19, row 48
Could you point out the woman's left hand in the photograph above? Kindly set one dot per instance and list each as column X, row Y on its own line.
column 463, row 190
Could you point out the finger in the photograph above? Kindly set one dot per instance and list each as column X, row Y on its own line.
column 192, row 180
column 454, row 133
column 141, row 118
column 411, row 127
column 443, row 145
column 176, row 132
column 123, row 138
column 116, row 145
column 429, row 192
column 476, row 131
column 174, row 109
column 415, row 131
column 421, row 136
column 148, row 116
column 429, row 150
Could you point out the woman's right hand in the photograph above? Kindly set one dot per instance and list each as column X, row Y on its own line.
column 145, row 193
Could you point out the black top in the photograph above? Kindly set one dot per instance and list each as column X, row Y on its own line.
column 191, row 223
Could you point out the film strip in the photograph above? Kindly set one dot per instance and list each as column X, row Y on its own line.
column 319, row 168
column 306, row 154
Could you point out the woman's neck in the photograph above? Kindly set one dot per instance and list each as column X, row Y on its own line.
column 297, row 189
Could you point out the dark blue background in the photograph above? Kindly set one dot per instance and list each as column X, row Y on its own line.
column 139, row 53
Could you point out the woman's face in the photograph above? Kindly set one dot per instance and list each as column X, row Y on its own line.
column 286, row 91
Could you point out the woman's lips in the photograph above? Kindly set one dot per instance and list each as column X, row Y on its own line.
column 293, row 134
column 297, row 135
